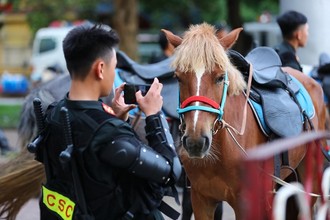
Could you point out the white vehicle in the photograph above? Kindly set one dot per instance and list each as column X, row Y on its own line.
column 47, row 51
column 48, row 57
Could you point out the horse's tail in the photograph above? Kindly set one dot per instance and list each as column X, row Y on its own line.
column 27, row 126
column 20, row 180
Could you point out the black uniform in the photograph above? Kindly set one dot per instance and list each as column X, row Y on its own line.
column 118, row 174
column 288, row 55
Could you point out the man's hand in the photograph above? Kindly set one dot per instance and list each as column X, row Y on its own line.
column 119, row 106
column 152, row 102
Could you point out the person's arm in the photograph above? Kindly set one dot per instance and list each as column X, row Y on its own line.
column 158, row 163
column 160, row 139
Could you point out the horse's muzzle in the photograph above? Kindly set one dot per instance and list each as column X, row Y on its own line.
column 196, row 147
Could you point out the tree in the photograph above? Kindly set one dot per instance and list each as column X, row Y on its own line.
column 173, row 15
column 125, row 22
column 234, row 15
column 169, row 14
column 40, row 13
column 125, row 19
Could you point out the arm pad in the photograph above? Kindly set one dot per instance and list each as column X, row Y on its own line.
column 128, row 153
column 160, row 139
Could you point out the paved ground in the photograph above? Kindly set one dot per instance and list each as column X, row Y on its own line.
column 30, row 211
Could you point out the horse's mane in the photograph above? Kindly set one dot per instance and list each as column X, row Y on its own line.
column 201, row 48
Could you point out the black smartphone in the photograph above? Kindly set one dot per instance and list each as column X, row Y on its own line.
column 131, row 89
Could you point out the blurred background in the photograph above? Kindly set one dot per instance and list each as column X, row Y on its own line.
column 31, row 32
column 138, row 22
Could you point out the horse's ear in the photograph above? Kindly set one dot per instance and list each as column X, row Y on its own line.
column 172, row 38
column 230, row 39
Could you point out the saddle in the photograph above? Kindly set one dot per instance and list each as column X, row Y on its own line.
column 160, row 70
column 134, row 73
column 278, row 100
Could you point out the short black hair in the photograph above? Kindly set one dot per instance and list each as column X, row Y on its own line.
column 290, row 21
column 86, row 43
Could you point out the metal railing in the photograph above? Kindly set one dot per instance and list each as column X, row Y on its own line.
column 259, row 200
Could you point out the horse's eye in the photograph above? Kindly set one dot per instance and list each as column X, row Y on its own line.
column 220, row 79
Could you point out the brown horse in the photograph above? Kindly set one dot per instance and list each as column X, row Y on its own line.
column 211, row 152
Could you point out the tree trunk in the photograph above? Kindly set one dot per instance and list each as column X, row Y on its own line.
column 125, row 22
column 245, row 42
column 234, row 15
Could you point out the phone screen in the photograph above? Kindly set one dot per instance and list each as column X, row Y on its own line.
column 131, row 89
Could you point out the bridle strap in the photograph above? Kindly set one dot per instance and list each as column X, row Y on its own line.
column 201, row 108
column 186, row 108
column 215, row 107
column 203, row 99
column 229, row 128
column 247, row 94
column 224, row 96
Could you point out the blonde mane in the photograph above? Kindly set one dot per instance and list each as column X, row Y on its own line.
column 201, row 48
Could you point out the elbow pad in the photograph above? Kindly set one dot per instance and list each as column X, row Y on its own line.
column 151, row 165
column 160, row 138
column 139, row 159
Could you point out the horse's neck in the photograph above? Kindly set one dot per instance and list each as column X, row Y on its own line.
column 235, row 116
column 234, row 110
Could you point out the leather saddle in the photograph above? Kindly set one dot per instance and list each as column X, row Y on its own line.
column 274, row 90
column 160, row 70
column 135, row 73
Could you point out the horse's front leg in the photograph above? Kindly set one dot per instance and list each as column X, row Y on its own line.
column 203, row 207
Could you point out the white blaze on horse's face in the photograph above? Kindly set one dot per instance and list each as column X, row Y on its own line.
column 199, row 72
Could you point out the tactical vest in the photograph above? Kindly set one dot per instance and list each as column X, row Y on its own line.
column 108, row 199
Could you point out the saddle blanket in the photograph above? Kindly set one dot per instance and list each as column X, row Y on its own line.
column 303, row 98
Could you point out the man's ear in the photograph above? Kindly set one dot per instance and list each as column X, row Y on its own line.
column 98, row 69
column 298, row 34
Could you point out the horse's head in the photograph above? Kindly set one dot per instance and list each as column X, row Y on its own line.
column 204, row 71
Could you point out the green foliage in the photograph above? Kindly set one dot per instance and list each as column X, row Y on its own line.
column 38, row 19
column 251, row 9
column 9, row 115
column 170, row 14
column 179, row 14
column 43, row 12
column 214, row 11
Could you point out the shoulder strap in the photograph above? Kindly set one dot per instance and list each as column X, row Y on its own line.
column 74, row 171
column 93, row 123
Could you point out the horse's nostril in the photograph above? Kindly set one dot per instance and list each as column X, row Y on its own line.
column 196, row 144
column 206, row 141
column 184, row 140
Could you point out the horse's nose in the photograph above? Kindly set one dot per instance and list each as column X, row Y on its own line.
column 196, row 146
